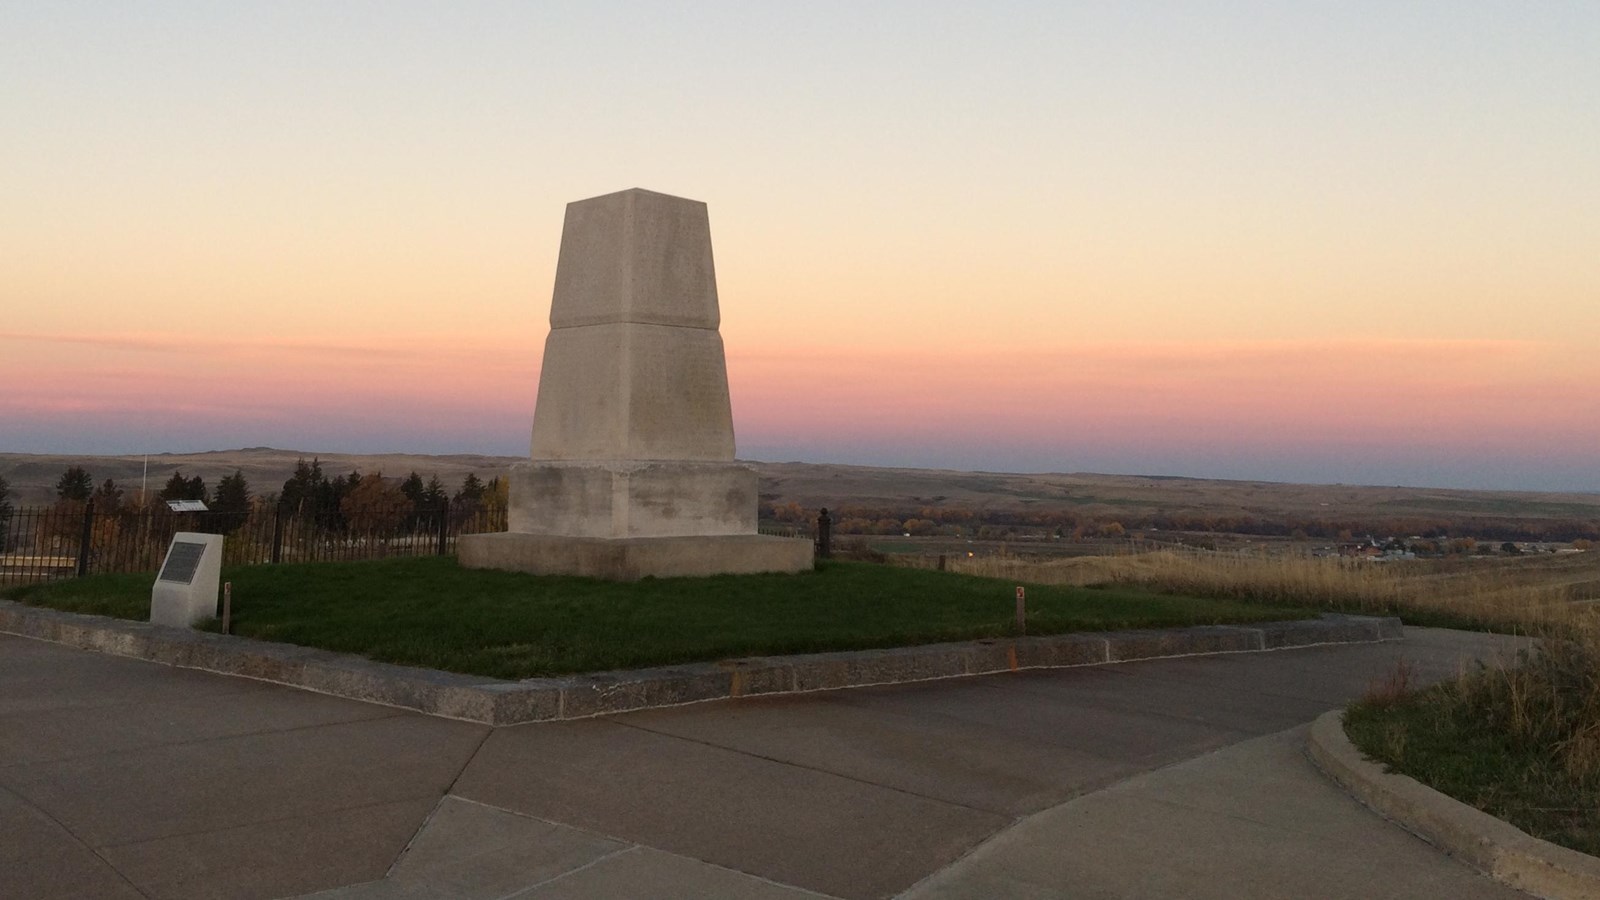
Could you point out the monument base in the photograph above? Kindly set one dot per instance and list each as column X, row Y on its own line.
column 632, row 498
column 629, row 559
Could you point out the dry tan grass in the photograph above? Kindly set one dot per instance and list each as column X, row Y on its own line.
column 1512, row 594
column 1543, row 711
column 1521, row 742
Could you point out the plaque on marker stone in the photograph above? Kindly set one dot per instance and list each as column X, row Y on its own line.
column 182, row 562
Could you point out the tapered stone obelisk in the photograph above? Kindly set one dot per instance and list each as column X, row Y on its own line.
column 632, row 470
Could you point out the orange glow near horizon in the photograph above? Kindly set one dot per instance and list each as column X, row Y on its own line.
column 1019, row 235
column 1452, row 398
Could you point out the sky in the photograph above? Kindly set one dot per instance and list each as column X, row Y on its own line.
column 1346, row 242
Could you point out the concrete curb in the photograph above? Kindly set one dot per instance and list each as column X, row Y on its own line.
column 1490, row 845
column 493, row 702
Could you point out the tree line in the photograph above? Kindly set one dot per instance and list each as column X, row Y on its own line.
column 356, row 501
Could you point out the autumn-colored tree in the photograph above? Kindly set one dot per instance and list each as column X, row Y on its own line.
column 60, row 528
column 497, row 494
column 104, row 532
column 789, row 512
column 373, row 506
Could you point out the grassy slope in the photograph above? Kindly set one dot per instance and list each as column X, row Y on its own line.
column 430, row 612
column 1516, row 594
column 1459, row 743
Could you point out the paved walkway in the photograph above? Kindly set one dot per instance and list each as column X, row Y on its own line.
column 1181, row 777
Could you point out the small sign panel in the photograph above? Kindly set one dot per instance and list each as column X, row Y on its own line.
column 186, row 506
column 183, row 560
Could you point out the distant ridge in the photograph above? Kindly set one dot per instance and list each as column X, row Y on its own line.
column 901, row 490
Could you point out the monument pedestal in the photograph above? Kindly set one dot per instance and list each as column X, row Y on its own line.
column 632, row 498
column 629, row 559
column 632, row 470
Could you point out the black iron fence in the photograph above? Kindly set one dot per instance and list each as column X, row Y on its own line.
column 820, row 532
column 73, row 539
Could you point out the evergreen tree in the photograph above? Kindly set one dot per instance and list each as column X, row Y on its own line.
column 181, row 488
column 233, row 494
column 433, row 496
column 414, row 489
column 472, row 489
column 108, row 497
column 303, row 490
column 74, row 484
column 331, row 499
column 176, row 488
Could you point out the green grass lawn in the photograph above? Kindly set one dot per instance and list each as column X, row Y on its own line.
column 430, row 612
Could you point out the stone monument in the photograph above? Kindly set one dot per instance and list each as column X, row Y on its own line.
column 185, row 591
column 632, row 471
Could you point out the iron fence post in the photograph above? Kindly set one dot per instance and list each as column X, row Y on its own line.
column 444, row 525
column 84, row 537
column 277, row 533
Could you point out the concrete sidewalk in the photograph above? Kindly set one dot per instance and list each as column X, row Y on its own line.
column 1255, row 820
column 121, row 778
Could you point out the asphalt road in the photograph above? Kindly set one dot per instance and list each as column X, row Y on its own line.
column 1164, row 778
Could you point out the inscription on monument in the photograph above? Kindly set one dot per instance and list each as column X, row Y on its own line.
column 183, row 560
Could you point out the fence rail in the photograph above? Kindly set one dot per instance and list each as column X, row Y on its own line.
column 69, row 539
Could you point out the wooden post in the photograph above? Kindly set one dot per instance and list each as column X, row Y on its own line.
column 1022, row 610
column 227, row 606
column 824, row 534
